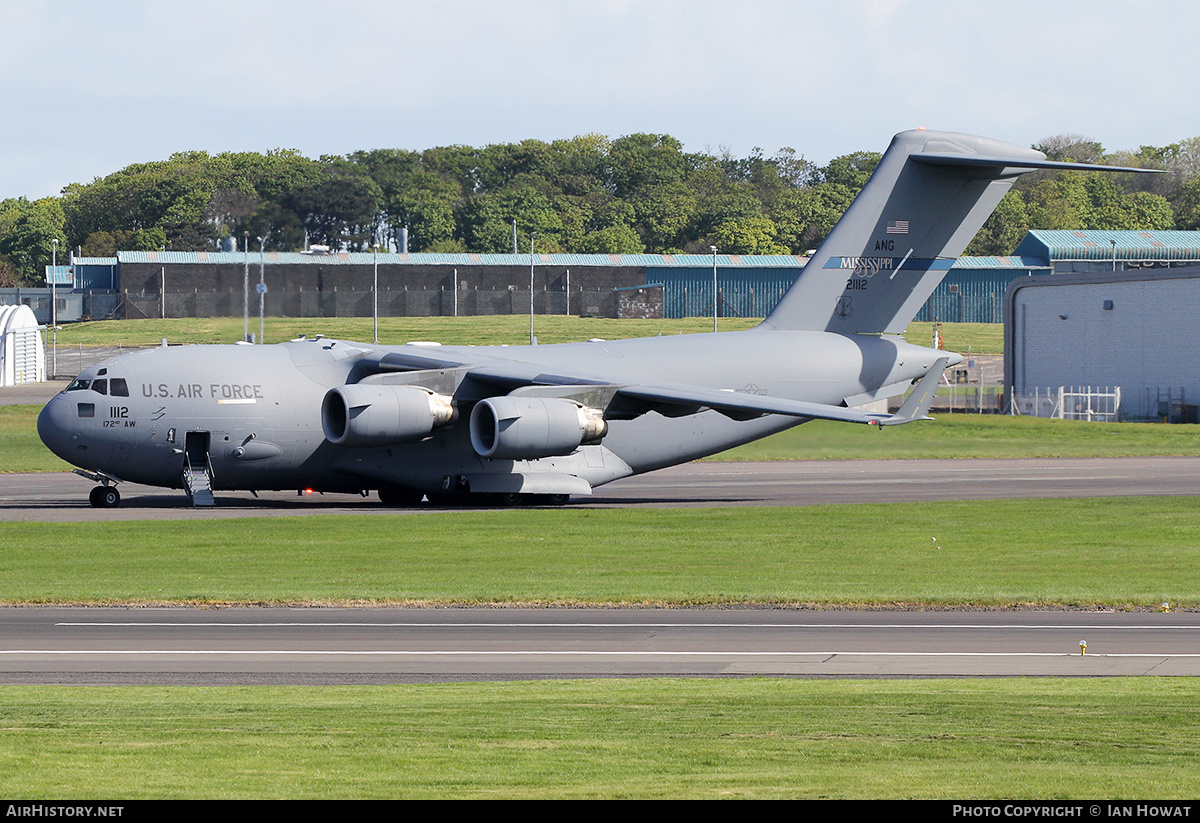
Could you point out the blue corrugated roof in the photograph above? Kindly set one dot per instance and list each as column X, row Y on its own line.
column 466, row 259
column 1000, row 263
column 63, row 275
column 1098, row 245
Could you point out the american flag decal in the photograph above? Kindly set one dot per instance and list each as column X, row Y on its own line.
column 897, row 227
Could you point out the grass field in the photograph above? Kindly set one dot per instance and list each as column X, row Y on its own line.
column 978, row 338
column 1124, row 553
column 972, row 435
column 750, row 739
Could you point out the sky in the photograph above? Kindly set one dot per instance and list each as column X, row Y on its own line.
column 90, row 88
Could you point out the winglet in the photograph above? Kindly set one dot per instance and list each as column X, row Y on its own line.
column 916, row 405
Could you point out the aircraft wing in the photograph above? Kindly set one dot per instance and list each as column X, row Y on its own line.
column 630, row 400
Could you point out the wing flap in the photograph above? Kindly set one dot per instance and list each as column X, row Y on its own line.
column 739, row 405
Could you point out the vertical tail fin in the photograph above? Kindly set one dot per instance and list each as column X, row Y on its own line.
column 929, row 195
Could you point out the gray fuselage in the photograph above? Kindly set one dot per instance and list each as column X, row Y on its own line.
column 256, row 410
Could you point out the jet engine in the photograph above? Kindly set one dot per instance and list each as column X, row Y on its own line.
column 371, row 415
column 526, row 428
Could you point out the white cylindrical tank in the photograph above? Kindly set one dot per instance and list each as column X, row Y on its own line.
column 22, row 352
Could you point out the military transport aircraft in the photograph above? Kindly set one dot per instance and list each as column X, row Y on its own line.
column 537, row 424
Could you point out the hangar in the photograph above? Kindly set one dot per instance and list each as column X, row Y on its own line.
column 1134, row 329
column 22, row 352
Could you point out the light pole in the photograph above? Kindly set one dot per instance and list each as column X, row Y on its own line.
column 54, row 306
column 246, row 286
column 375, row 294
column 715, row 298
column 262, row 283
column 532, row 235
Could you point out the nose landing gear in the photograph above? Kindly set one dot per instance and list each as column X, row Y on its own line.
column 105, row 497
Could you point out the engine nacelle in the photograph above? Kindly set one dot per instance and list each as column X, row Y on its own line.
column 526, row 428
column 372, row 415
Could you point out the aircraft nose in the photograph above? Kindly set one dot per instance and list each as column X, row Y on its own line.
column 54, row 427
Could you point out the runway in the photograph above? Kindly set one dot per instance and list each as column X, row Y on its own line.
column 63, row 497
column 323, row 646
column 343, row 646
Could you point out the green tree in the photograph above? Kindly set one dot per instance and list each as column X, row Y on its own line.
column 27, row 232
column 485, row 221
column 341, row 210
column 1003, row 230
column 1186, row 205
column 425, row 204
column 850, row 170
column 664, row 216
column 1053, row 204
column 644, row 163
column 1150, row 212
column 747, row 235
column 1071, row 148
column 805, row 216
column 99, row 244
column 618, row 239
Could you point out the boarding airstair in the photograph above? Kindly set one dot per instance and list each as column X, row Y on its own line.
column 197, row 472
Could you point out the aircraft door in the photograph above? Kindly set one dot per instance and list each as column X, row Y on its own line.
column 195, row 446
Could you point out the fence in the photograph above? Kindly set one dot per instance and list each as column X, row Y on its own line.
column 351, row 303
column 967, row 399
column 1074, row 403
column 69, row 361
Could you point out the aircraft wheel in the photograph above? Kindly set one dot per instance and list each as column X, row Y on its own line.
column 550, row 499
column 508, row 499
column 105, row 497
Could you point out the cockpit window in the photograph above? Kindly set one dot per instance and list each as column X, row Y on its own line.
column 79, row 385
column 100, row 386
column 119, row 387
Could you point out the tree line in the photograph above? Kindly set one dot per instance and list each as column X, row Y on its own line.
column 589, row 194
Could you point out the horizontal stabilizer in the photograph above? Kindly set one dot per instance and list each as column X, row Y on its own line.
column 1022, row 165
